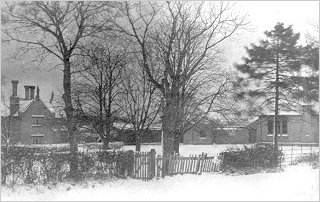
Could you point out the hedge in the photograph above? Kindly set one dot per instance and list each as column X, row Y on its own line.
column 25, row 166
column 250, row 157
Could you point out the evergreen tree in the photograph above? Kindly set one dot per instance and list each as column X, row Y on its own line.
column 307, row 85
column 268, row 70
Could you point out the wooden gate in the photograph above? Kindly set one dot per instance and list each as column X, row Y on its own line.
column 144, row 165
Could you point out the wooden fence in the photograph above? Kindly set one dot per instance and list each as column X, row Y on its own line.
column 147, row 165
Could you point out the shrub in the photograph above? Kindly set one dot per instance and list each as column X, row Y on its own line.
column 250, row 157
column 312, row 158
column 115, row 145
column 29, row 166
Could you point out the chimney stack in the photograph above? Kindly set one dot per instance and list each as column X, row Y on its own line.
column 14, row 87
column 38, row 93
column 32, row 92
column 27, row 93
column 14, row 100
column 51, row 99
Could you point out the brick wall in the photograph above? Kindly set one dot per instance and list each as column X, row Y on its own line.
column 28, row 128
column 238, row 136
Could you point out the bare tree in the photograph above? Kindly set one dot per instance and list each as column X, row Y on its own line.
column 100, row 66
column 186, row 38
column 56, row 28
column 5, row 115
column 140, row 101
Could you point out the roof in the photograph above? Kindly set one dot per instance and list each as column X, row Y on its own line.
column 25, row 104
column 284, row 113
column 58, row 112
column 230, row 128
column 120, row 125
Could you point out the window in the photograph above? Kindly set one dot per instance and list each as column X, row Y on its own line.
column 270, row 126
column 37, row 139
column 284, row 127
column 203, row 134
column 37, row 120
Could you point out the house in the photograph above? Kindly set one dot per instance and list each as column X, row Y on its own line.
column 294, row 126
column 124, row 132
column 208, row 133
column 233, row 135
column 201, row 133
column 31, row 120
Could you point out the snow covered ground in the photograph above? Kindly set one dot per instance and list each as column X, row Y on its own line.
column 186, row 150
column 299, row 182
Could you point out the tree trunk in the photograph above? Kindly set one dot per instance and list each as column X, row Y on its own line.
column 138, row 141
column 176, row 143
column 70, row 119
column 168, row 130
column 276, row 112
column 105, row 145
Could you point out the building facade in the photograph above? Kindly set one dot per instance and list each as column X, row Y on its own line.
column 295, row 127
column 32, row 121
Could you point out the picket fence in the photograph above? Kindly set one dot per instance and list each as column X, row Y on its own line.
column 147, row 165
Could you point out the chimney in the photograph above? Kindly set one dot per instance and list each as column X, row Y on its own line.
column 14, row 100
column 51, row 99
column 38, row 93
column 14, row 87
column 32, row 92
column 27, row 93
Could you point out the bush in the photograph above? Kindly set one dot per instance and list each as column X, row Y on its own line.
column 28, row 166
column 312, row 158
column 250, row 157
column 116, row 145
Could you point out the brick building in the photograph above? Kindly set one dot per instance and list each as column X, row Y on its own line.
column 212, row 134
column 31, row 120
column 300, row 126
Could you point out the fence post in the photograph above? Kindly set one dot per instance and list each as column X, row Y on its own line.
column 152, row 162
column 291, row 154
column 198, row 164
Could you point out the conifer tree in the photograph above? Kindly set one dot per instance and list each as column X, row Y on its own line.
column 268, row 69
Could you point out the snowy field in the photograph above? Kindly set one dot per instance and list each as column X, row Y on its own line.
column 186, row 150
column 299, row 182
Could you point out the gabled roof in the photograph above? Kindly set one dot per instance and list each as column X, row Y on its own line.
column 24, row 105
column 58, row 113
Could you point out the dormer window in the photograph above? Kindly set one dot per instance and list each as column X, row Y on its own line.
column 37, row 120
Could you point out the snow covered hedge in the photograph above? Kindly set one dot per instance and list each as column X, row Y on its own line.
column 25, row 166
column 250, row 157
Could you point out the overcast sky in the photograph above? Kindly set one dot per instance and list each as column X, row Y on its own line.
column 263, row 15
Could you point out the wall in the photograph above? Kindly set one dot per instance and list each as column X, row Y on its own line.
column 299, row 130
column 315, row 126
column 38, row 108
column 14, row 129
column 238, row 136
column 192, row 136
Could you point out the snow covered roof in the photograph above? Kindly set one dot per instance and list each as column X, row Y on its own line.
column 120, row 125
column 286, row 113
column 230, row 128
column 58, row 113
column 23, row 106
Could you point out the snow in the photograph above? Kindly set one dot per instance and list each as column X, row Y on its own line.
column 299, row 182
column 186, row 150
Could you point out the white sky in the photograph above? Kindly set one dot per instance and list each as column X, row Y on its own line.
column 263, row 15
